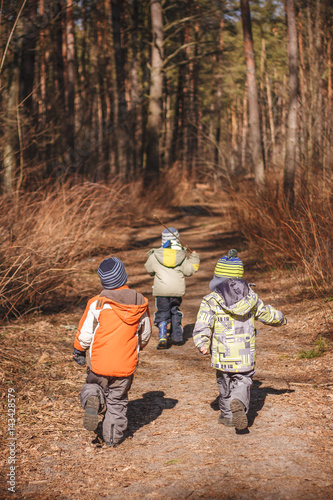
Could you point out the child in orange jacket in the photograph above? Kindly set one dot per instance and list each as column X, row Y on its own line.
column 114, row 327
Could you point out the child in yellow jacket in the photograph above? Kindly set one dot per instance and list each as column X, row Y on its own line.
column 169, row 266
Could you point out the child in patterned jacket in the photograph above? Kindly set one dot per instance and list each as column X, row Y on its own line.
column 225, row 328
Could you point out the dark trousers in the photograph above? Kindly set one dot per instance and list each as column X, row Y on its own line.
column 168, row 310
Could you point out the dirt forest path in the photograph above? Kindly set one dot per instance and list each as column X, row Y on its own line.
column 176, row 449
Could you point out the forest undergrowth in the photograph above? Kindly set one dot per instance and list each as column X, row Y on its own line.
column 45, row 234
column 298, row 238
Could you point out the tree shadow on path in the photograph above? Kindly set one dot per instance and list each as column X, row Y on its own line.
column 142, row 411
column 257, row 402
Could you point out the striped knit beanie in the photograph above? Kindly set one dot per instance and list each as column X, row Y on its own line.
column 112, row 273
column 167, row 236
column 229, row 266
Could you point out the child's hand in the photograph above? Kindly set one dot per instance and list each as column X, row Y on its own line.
column 204, row 350
column 79, row 357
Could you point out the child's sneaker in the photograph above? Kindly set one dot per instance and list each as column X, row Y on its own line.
column 225, row 421
column 90, row 419
column 239, row 417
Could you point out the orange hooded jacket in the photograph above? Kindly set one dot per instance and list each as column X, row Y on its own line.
column 111, row 330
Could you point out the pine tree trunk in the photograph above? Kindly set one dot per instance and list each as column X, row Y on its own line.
column 196, row 125
column 167, row 125
column 262, row 98
column 156, row 86
column 245, row 127
column 329, row 69
column 121, row 111
column 219, row 82
column 10, row 104
column 176, row 143
column 134, row 84
column 27, row 96
column 70, row 52
column 257, row 150
column 290, row 161
column 271, row 118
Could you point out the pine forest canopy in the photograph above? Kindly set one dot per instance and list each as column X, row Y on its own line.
column 132, row 88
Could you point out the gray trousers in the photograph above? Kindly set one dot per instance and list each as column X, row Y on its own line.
column 112, row 392
column 233, row 386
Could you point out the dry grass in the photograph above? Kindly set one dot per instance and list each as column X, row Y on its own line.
column 301, row 238
column 44, row 234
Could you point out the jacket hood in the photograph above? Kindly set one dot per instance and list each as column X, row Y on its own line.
column 215, row 282
column 126, row 303
column 169, row 257
column 128, row 313
column 235, row 296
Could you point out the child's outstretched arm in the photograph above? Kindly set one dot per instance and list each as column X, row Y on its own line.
column 191, row 264
column 203, row 327
column 269, row 315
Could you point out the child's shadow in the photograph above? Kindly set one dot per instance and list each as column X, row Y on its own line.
column 141, row 412
column 257, row 402
column 188, row 332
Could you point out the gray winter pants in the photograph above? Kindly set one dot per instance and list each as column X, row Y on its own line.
column 233, row 386
column 112, row 392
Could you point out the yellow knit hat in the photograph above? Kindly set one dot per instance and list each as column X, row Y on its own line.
column 229, row 266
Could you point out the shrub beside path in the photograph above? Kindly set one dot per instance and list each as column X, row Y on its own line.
column 175, row 449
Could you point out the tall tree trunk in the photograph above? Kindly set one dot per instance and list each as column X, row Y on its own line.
column 303, row 89
column 134, row 84
column 318, row 70
column 234, row 136
column 257, row 150
column 219, row 94
column 196, row 126
column 167, row 125
column 176, row 143
column 271, row 118
column 156, row 86
column 42, row 107
column 70, row 51
column 245, row 126
column 329, row 69
column 262, row 98
column 101, row 74
column 10, row 118
column 121, row 111
column 328, row 158
column 10, row 133
column 290, row 161
column 27, row 96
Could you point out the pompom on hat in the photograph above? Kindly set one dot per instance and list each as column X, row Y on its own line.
column 227, row 267
column 112, row 273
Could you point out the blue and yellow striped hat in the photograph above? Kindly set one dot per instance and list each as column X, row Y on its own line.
column 229, row 266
